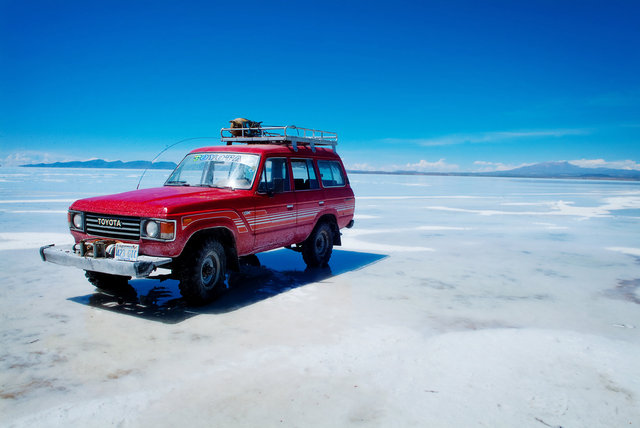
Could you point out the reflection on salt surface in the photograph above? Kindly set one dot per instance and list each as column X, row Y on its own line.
column 628, row 212
column 626, row 290
column 278, row 272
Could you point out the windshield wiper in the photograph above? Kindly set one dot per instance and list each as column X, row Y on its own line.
column 176, row 183
column 213, row 186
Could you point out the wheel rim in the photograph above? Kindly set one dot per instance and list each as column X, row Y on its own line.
column 322, row 243
column 209, row 271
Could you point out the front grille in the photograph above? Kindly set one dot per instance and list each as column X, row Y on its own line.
column 113, row 227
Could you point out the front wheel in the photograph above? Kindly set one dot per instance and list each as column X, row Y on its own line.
column 203, row 272
column 317, row 249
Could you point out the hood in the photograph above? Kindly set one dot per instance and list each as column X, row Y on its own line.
column 159, row 201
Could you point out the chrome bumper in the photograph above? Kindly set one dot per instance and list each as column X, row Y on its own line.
column 64, row 255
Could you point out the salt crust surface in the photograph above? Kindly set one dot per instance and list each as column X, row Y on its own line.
column 25, row 240
column 507, row 319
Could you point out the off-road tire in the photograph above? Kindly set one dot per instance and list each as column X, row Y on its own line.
column 203, row 272
column 317, row 249
column 107, row 281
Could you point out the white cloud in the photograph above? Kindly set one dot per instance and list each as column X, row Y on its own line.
column 421, row 166
column 27, row 157
column 484, row 166
column 32, row 156
column 487, row 137
column 424, row 166
column 601, row 163
column 362, row 167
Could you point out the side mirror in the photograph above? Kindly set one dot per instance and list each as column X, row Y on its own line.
column 266, row 189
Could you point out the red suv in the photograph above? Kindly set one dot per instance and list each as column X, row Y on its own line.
column 282, row 188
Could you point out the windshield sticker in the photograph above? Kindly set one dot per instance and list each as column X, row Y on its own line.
column 217, row 157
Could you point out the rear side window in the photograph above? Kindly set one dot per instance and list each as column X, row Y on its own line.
column 275, row 176
column 331, row 173
column 304, row 175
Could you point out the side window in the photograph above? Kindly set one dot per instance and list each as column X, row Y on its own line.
column 275, row 176
column 331, row 173
column 304, row 175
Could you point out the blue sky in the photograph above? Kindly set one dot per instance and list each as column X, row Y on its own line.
column 436, row 86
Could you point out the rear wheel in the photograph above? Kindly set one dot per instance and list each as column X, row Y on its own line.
column 317, row 249
column 203, row 272
column 250, row 260
column 107, row 281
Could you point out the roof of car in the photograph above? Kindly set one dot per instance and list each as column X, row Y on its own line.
column 272, row 149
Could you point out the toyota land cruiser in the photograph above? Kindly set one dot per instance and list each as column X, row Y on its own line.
column 268, row 187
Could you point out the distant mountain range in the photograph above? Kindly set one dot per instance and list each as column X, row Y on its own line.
column 539, row 170
column 100, row 163
column 568, row 170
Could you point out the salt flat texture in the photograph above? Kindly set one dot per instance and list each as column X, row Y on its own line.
column 454, row 302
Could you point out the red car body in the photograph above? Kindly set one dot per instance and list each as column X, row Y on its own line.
column 220, row 204
column 258, row 221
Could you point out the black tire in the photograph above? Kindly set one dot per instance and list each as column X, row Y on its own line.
column 203, row 272
column 317, row 249
column 107, row 281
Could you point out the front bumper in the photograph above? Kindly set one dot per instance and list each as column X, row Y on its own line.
column 64, row 255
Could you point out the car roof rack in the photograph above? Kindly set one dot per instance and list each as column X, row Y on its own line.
column 282, row 135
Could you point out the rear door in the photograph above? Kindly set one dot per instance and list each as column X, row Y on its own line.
column 338, row 194
column 309, row 196
column 274, row 219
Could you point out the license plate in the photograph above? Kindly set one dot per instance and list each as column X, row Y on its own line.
column 126, row 252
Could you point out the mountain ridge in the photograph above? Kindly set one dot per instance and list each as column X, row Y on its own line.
column 564, row 168
column 552, row 169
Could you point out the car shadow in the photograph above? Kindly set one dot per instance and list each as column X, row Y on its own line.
column 159, row 299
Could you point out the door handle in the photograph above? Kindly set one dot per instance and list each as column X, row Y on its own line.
column 289, row 207
column 321, row 203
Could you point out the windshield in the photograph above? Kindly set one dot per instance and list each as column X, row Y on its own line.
column 231, row 170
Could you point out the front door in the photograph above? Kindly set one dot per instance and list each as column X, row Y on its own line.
column 274, row 219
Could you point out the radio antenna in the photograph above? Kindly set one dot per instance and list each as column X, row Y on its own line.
column 167, row 148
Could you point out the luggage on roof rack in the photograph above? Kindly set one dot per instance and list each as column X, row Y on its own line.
column 245, row 128
column 283, row 135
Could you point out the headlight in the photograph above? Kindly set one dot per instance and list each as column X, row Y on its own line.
column 160, row 230
column 76, row 220
column 152, row 229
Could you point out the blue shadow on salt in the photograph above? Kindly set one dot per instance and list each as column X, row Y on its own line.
column 272, row 273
